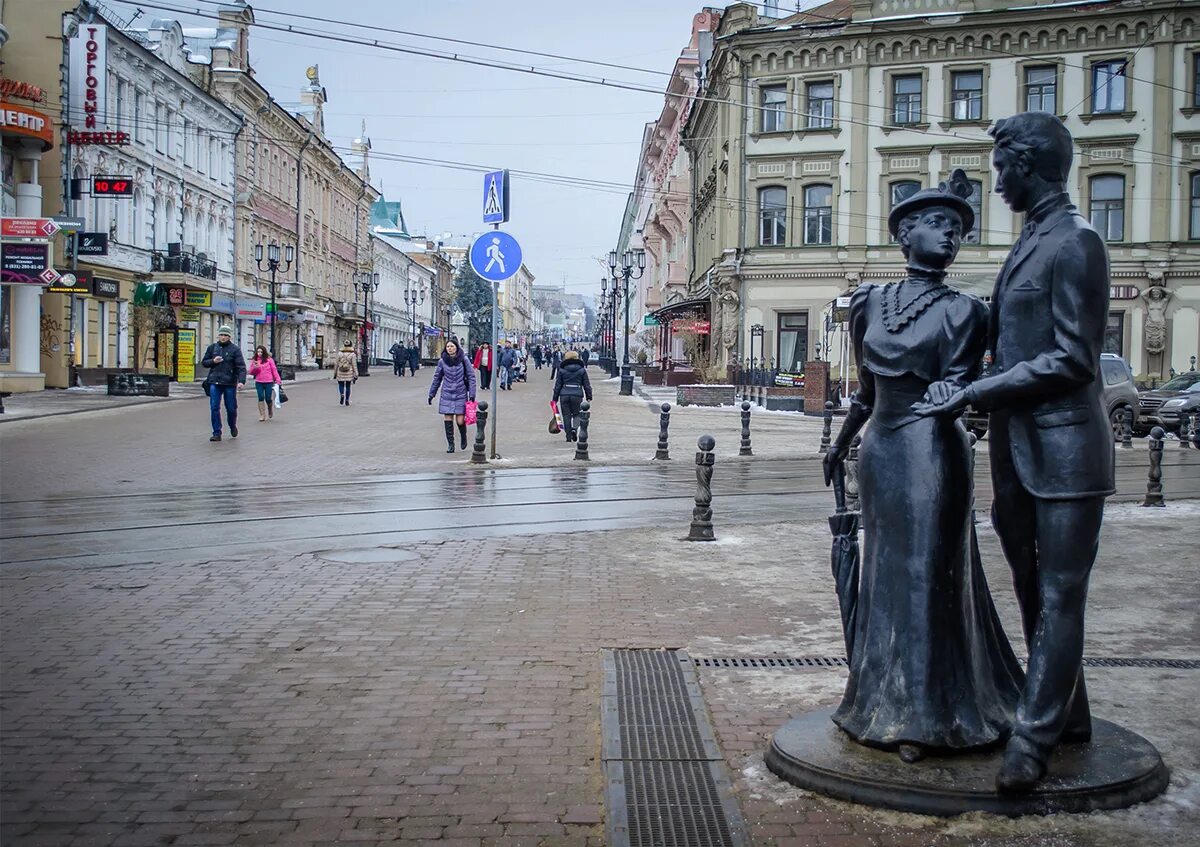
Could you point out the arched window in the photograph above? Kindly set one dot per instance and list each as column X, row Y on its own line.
column 902, row 190
column 135, row 235
column 772, row 210
column 1107, row 206
column 818, row 214
column 169, row 224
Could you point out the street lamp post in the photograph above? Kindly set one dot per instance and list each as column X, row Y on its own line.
column 410, row 300
column 272, row 251
column 367, row 282
column 626, row 265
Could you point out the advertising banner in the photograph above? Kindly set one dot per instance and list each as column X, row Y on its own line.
column 192, row 297
column 185, row 354
column 88, row 93
column 24, row 262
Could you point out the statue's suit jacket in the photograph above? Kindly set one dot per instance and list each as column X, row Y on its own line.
column 1046, row 331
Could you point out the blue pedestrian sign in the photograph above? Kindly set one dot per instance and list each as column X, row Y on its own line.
column 496, row 256
column 495, row 197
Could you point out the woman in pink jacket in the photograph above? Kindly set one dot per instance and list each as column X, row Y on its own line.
column 266, row 377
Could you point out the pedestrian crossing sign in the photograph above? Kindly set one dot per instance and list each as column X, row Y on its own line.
column 495, row 197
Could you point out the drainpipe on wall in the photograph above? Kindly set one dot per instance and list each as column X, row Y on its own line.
column 299, row 220
column 745, row 171
column 233, row 229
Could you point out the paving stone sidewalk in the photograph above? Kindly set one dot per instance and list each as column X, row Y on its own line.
column 449, row 694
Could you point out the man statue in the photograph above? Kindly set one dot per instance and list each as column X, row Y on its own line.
column 1052, row 447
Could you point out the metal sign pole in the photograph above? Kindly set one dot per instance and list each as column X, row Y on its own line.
column 493, row 412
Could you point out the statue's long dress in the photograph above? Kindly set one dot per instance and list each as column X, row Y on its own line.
column 931, row 665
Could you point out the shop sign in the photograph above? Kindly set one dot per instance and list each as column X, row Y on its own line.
column 72, row 282
column 92, row 243
column 28, row 227
column 88, row 93
column 98, row 139
column 21, row 90
column 698, row 327
column 26, row 122
column 175, row 296
column 25, row 262
column 185, row 355
column 1124, row 292
column 252, row 311
column 650, row 320
column 189, row 314
column 222, row 303
column 106, row 287
column 192, row 297
column 433, row 330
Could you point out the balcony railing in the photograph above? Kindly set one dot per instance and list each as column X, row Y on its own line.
column 186, row 263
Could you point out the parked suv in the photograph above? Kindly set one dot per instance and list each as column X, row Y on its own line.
column 1166, row 406
column 1119, row 393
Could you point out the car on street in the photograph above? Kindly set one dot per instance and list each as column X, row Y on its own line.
column 1119, row 394
column 1166, row 405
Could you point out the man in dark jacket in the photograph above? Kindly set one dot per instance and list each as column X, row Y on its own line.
column 508, row 364
column 584, row 356
column 571, row 386
column 397, row 353
column 556, row 358
column 226, row 374
column 537, row 357
column 414, row 359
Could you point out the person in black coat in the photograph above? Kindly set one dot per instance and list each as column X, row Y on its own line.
column 226, row 374
column 571, row 386
column 414, row 359
column 537, row 357
column 556, row 357
column 397, row 353
column 585, row 355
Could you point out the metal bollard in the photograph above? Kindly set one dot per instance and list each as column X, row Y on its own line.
column 745, row 450
column 827, row 427
column 702, row 528
column 852, row 490
column 1185, row 433
column 664, row 421
column 581, row 434
column 479, row 450
column 1154, row 495
column 1127, row 429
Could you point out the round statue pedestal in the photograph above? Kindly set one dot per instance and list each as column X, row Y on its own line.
column 1117, row 768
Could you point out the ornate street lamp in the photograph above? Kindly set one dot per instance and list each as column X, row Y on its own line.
column 624, row 270
column 411, row 300
column 367, row 282
column 272, row 251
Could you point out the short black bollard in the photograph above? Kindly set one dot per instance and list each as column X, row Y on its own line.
column 852, row 490
column 827, row 427
column 1185, row 432
column 745, row 449
column 664, row 421
column 581, row 434
column 479, row 450
column 1127, row 428
column 702, row 528
column 1154, row 495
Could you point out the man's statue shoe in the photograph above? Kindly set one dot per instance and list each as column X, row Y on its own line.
column 1019, row 773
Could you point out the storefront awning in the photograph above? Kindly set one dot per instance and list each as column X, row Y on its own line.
column 681, row 309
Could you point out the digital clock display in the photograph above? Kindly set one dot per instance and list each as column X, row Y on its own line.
column 112, row 186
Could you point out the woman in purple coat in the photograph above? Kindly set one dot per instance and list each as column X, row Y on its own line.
column 456, row 378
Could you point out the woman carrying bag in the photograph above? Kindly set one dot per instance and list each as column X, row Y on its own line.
column 266, row 377
column 456, row 378
column 345, row 371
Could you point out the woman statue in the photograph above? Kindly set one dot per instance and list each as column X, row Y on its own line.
column 931, row 668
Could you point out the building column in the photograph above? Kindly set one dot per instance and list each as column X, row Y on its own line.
column 27, row 298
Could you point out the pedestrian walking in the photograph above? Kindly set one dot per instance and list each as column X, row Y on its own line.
column 226, row 374
column 483, row 363
column 508, row 361
column 398, row 354
column 266, row 377
column 570, row 388
column 345, row 371
column 456, row 379
column 556, row 357
column 414, row 359
column 537, row 357
column 584, row 356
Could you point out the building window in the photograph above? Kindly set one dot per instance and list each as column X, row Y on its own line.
column 966, row 94
column 774, row 108
column 818, row 214
column 902, row 190
column 139, row 116
column 1041, row 89
column 772, row 206
column 1196, row 80
column 906, row 99
column 820, row 105
column 1194, row 216
column 189, row 149
column 160, row 127
column 1108, row 86
column 1114, row 334
column 976, row 202
column 793, row 342
column 1108, row 206
column 120, row 122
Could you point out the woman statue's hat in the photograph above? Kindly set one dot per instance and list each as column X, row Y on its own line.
column 953, row 193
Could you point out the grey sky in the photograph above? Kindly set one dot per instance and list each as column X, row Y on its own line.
column 425, row 107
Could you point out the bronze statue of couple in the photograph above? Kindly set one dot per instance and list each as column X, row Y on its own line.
column 931, row 670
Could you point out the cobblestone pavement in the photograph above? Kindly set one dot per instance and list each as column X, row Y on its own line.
column 448, row 693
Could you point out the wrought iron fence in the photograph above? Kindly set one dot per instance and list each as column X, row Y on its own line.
column 753, row 377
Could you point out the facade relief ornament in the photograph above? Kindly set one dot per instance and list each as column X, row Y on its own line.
column 1157, row 296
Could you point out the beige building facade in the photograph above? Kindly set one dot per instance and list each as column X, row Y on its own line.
column 810, row 128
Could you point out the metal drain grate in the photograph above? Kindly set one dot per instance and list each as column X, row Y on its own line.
column 779, row 662
column 667, row 782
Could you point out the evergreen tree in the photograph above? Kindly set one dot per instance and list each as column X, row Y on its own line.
column 473, row 294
